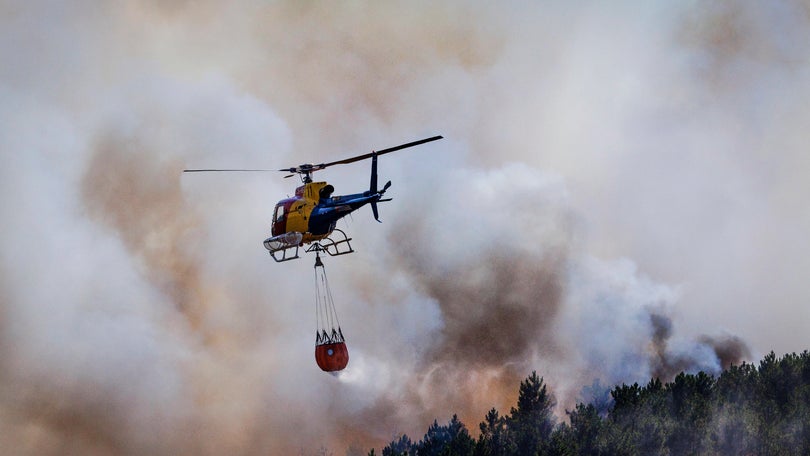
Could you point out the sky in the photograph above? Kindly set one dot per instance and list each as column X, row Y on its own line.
column 620, row 194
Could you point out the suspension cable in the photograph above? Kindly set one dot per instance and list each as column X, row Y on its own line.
column 327, row 323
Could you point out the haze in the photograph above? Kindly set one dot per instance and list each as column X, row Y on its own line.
column 620, row 194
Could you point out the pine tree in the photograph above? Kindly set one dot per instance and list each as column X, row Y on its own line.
column 448, row 440
column 494, row 438
column 399, row 447
column 531, row 423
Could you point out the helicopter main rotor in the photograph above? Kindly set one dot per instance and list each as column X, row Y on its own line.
column 305, row 170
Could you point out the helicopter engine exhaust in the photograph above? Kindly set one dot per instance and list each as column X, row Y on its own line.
column 283, row 241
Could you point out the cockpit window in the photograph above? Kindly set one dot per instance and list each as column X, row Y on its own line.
column 279, row 215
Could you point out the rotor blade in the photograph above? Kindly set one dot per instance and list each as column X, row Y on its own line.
column 384, row 151
column 224, row 170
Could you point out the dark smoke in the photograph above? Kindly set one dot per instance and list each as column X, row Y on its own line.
column 609, row 171
column 496, row 308
column 666, row 364
column 730, row 350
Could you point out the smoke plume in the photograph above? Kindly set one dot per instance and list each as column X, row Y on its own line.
column 620, row 195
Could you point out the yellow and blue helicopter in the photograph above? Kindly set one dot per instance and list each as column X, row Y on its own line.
column 311, row 215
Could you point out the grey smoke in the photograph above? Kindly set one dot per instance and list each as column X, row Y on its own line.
column 620, row 195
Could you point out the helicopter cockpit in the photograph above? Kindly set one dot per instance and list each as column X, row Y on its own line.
column 280, row 216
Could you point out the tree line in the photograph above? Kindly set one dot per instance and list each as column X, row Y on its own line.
column 748, row 409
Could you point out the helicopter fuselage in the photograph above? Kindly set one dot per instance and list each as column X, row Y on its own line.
column 314, row 212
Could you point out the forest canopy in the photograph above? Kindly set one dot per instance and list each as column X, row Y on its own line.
column 748, row 409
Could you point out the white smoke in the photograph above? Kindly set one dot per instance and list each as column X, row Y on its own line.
column 620, row 188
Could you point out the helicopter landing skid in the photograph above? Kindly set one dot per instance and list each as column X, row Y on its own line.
column 282, row 245
column 293, row 250
column 336, row 244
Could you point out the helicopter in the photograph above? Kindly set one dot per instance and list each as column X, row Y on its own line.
column 311, row 215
